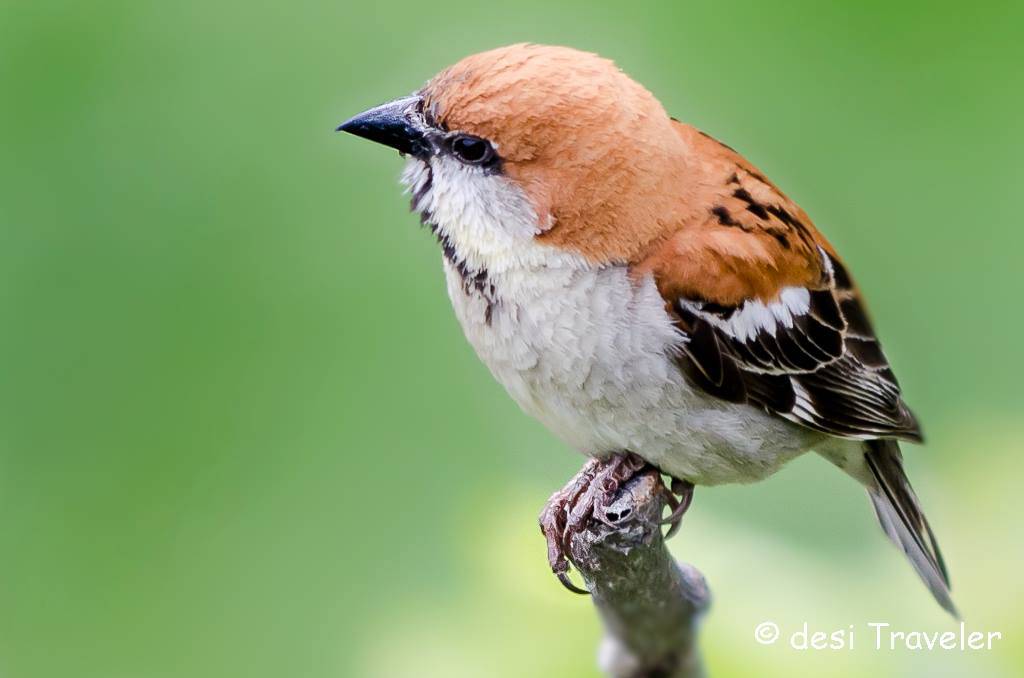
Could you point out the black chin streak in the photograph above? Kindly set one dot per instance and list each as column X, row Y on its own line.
column 471, row 280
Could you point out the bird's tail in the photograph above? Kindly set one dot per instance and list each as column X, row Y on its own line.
column 903, row 520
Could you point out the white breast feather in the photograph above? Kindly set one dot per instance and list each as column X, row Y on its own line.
column 588, row 350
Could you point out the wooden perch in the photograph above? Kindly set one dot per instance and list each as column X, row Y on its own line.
column 651, row 606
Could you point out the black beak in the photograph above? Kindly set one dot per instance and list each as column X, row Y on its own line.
column 398, row 124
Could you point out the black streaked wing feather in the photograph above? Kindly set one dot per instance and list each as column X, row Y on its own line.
column 825, row 369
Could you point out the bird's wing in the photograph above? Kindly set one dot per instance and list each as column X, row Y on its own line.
column 770, row 315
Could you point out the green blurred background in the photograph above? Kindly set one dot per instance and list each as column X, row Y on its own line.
column 241, row 433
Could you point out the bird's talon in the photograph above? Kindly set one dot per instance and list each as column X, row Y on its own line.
column 586, row 497
column 567, row 583
column 679, row 507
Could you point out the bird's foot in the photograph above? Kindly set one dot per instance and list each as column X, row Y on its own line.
column 683, row 489
column 586, row 496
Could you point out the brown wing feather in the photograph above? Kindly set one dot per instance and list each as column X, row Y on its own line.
column 820, row 365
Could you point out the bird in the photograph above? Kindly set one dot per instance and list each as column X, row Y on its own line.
column 646, row 292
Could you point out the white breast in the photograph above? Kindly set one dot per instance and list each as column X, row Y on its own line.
column 587, row 350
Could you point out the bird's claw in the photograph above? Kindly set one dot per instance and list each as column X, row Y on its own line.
column 684, row 489
column 567, row 583
column 586, row 496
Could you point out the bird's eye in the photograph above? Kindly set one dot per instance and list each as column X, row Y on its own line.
column 471, row 150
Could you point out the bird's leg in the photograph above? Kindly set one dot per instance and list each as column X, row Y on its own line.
column 553, row 521
column 585, row 496
column 684, row 489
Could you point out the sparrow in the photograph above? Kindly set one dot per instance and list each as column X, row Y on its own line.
column 645, row 291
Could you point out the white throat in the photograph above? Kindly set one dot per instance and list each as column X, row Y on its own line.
column 485, row 223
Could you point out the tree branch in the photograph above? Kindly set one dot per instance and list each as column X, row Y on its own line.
column 651, row 606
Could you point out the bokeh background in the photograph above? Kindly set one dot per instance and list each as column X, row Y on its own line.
column 241, row 433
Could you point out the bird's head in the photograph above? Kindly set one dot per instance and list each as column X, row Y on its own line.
column 540, row 145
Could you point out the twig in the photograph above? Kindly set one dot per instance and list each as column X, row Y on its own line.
column 651, row 606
